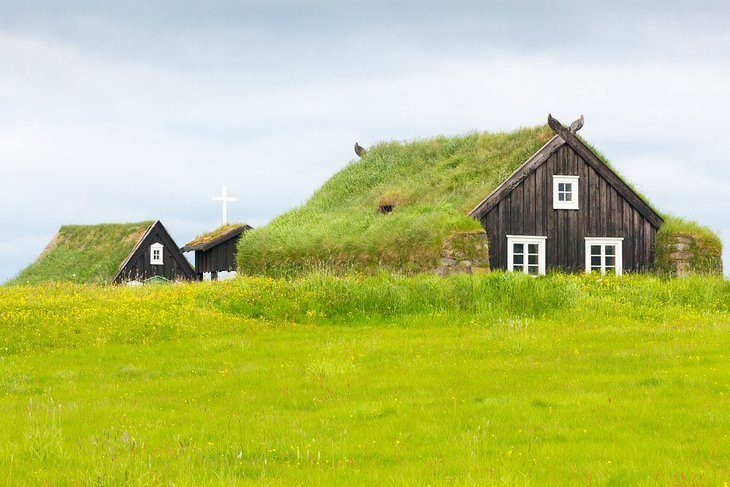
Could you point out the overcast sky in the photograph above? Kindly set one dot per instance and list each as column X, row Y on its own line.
column 112, row 113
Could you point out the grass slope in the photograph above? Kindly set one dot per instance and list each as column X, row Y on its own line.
column 84, row 253
column 368, row 380
column 432, row 184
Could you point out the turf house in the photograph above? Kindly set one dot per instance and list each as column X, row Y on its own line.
column 109, row 253
column 565, row 208
column 216, row 251
column 532, row 200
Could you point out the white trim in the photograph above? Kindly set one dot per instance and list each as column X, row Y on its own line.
column 574, row 181
column 616, row 242
column 157, row 260
column 526, row 240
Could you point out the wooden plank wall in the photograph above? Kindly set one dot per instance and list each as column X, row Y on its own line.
column 139, row 267
column 221, row 257
column 603, row 212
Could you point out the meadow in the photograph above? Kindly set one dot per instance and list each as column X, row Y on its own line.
column 378, row 379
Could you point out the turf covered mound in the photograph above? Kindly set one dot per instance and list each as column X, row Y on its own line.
column 84, row 253
column 686, row 247
column 393, row 208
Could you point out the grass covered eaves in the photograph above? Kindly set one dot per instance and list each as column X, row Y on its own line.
column 84, row 253
column 430, row 184
column 213, row 234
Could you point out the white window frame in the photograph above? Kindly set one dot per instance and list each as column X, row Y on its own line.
column 159, row 260
column 603, row 242
column 526, row 240
column 574, row 191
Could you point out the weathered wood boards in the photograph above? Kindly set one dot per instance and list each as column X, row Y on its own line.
column 608, row 207
column 217, row 254
column 139, row 265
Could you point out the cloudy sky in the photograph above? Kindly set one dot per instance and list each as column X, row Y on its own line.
column 114, row 113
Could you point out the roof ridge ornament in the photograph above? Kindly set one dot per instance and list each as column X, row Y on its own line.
column 558, row 127
column 359, row 150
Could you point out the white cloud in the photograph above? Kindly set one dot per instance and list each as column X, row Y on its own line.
column 91, row 135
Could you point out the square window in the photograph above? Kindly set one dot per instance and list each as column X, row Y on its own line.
column 603, row 254
column 565, row 192
column 526, row 254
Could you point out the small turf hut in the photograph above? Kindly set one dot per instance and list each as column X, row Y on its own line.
column 216, row 251
column 109, row 253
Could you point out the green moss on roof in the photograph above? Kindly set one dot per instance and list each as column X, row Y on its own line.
column 432, row 185
column 84, row 253
column 207, row 237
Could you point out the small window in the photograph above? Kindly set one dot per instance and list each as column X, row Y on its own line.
column 526, row 254
column 565, row 192
column 156, row 254
column 604, row 255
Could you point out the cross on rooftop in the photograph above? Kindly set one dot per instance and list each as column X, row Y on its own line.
column 225, row 199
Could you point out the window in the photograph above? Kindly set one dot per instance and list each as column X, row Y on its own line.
column 526, row 254
column 156, row 254
column 604, row 255
column 565, row 192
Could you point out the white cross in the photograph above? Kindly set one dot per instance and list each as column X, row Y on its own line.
column 225, row 199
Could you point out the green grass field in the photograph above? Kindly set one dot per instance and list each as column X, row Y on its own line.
column 368, row 380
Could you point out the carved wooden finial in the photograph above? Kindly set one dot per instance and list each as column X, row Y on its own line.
column 359, row 150
column 558, row 127
column 555, row 124
column 577, row 125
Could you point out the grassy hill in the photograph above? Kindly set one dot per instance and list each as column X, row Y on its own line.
column 84, row 253
column 432, row 184
column 367, row 380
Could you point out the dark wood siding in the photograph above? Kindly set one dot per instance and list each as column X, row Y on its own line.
column 174, row 265
column 220, row 257
column 603, row 212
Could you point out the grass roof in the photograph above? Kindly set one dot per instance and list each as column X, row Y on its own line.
column 84, row 253
column 431, row 184
column 214, row 234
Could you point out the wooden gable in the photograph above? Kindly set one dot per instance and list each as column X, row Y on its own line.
column 138, row 266
column 608, row 207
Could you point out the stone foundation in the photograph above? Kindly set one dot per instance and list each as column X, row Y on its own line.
column 682, row 255
column 464, row 253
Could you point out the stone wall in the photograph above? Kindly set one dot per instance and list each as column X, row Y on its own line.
column 684, row 254
column 464, row 252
